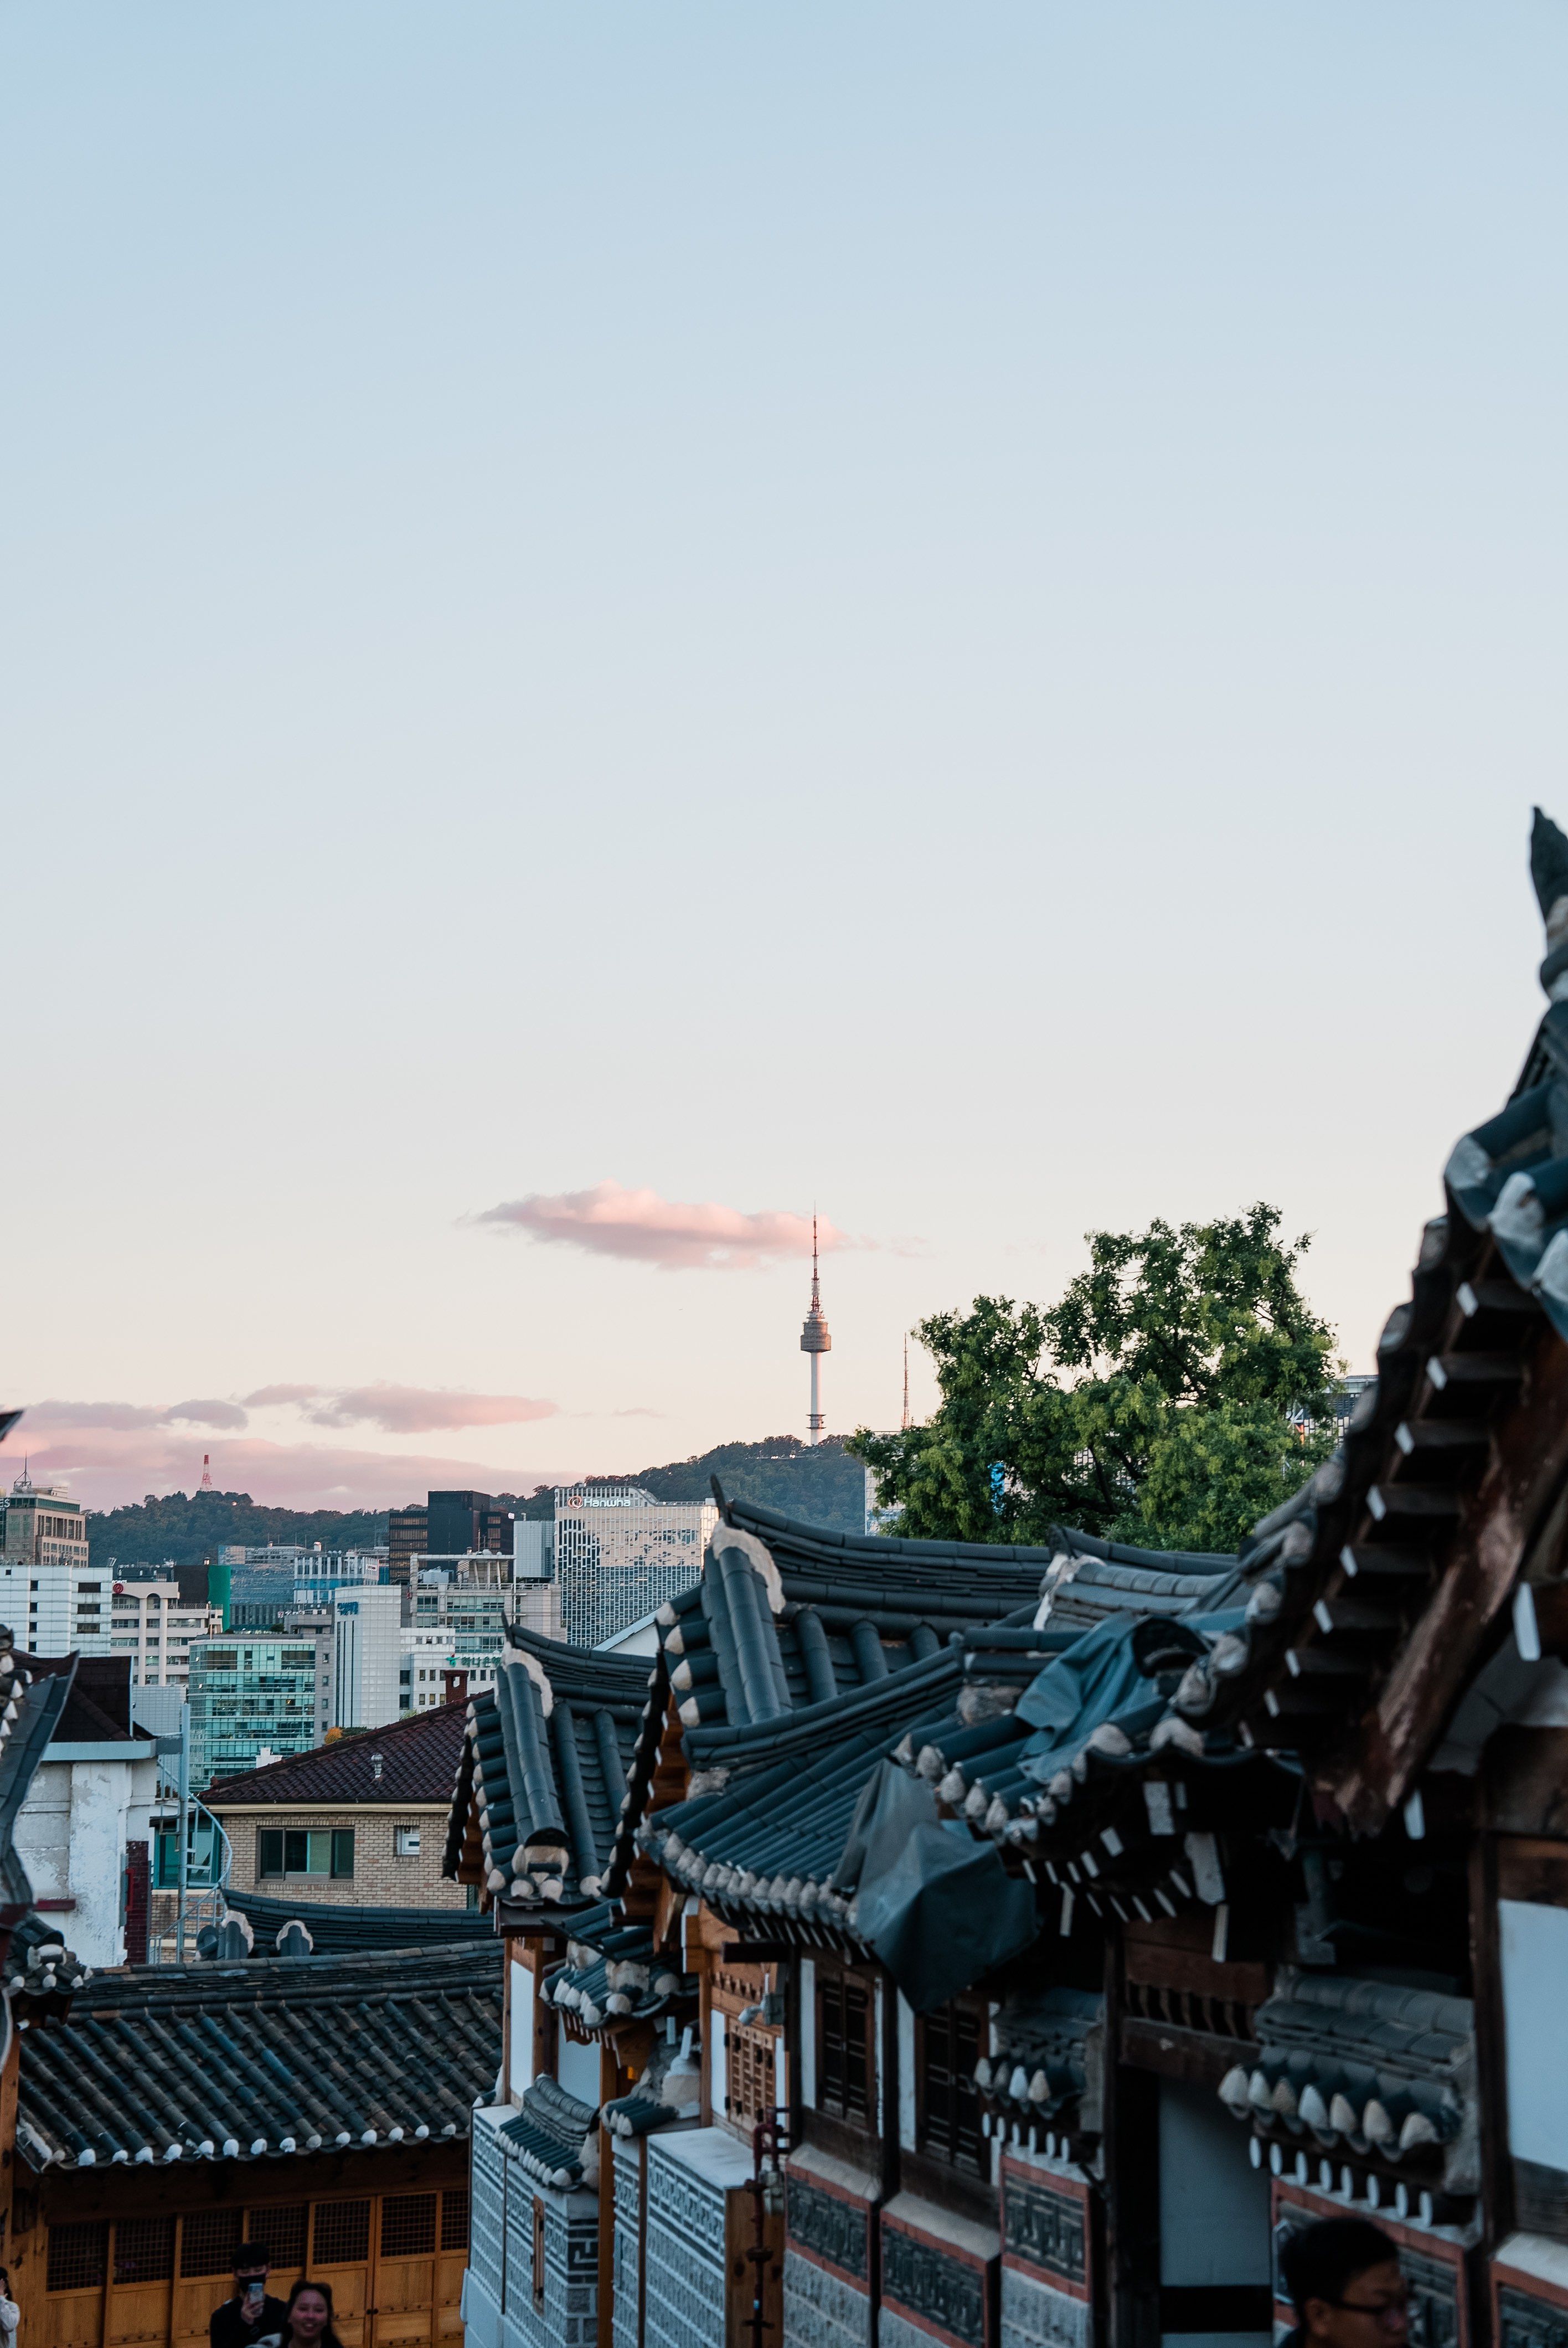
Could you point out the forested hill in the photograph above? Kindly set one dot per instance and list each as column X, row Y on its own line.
column 186, row 1527
column 823, row 1485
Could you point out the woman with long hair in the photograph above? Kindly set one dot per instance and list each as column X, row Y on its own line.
column 309, row 2322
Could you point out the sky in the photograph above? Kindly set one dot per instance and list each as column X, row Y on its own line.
column 622, row 624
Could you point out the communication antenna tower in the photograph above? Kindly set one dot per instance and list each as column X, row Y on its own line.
column 206, row 1472
column 906, row 1418
column 815, row 1341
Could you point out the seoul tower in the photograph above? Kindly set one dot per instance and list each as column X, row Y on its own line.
column 815, row 1341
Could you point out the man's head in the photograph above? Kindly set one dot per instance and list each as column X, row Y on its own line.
column 1344, row 2280
column 253, row 2262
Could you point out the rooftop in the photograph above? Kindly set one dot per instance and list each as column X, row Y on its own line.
column 418, row 1762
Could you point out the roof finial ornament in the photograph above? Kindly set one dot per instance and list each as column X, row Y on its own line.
column 1548, row 871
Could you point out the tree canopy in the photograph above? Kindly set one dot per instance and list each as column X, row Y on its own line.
column 1179, row 1390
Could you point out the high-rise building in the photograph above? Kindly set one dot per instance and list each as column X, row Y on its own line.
column 366, row 1656
column 618, row 1553
column 815, row 1341
column 407, row 1532
column 250, row 1696
column 50, row 1596
column 457, row 1523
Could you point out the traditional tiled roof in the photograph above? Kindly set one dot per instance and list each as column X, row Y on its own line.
column 418, row 1759
column 1048, row 2063
column 612, row 1975
column 766, row 1835
column 1367, row 2070
column 541, row 1774
column 30, row 1715
column 337, row 1931
column 265, row 2060
column 786, row 1617
column 553, row 2134
column 788, row 1622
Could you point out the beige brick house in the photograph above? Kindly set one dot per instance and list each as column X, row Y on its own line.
column 359, row 1823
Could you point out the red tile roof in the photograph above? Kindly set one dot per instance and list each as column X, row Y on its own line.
column 418, row 1763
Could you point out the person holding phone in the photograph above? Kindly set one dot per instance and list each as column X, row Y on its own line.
column 249, row 2315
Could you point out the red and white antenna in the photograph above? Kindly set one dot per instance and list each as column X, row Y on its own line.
column 906, row 1418
column 206, row 1472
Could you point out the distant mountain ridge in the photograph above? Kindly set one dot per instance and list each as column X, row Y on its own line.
column 819, row 1483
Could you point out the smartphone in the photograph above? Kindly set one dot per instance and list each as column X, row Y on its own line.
column 251, row 2302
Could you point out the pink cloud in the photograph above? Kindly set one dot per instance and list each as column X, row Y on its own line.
column 112, row 1464
column 268, row 1397
column 422, row 1410
column 126, row 1416
column 641, row 1226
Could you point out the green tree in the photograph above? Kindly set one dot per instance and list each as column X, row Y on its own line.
column 1161, row 1401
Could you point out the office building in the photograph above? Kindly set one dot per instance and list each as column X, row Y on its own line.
column 154, row 1626
column 251, row 1698
column 366, row 1655
column 470, row 1604
column 459, row 1523
column 618, row 1553
column 406, row 1539
column 430, row 1654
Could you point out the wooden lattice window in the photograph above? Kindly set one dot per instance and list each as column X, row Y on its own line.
column 751, row 2083
column 143, row 2249
column 845, row 2067
column 209, row 2241
column 282, row 2230
column 947, row 2103
column 78, row 2256
column 408, row 2225
column 454, row 2219
column 343, row 2233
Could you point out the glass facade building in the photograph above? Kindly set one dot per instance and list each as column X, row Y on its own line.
column 619, row 1553
column 249, row 1695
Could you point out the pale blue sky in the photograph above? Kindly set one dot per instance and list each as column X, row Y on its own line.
column 950, row 612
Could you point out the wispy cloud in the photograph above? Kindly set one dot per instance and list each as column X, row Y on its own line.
column 675, row 1235
column 422, row 1410
column 126, row 1416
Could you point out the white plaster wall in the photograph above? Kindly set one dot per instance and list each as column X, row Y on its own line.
column 1534, row 1949
column 808, row 2032
column 576, row 2068
column 43, row 1835
column 718, row 2070
column 520, row 2030
column 71, row 1837
column 906, row 2074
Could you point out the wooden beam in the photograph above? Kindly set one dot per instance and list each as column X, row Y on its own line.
column 1498, row 1524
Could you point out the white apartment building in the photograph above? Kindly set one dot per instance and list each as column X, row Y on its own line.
column 427, row 1655
column 151, row 1622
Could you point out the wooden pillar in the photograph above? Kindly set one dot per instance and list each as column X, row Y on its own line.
column 10, row 2074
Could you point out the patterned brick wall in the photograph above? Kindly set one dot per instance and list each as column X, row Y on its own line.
column 629, row 2159
column 821, row 2310
column 685, row 2284
column 380, row 1879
